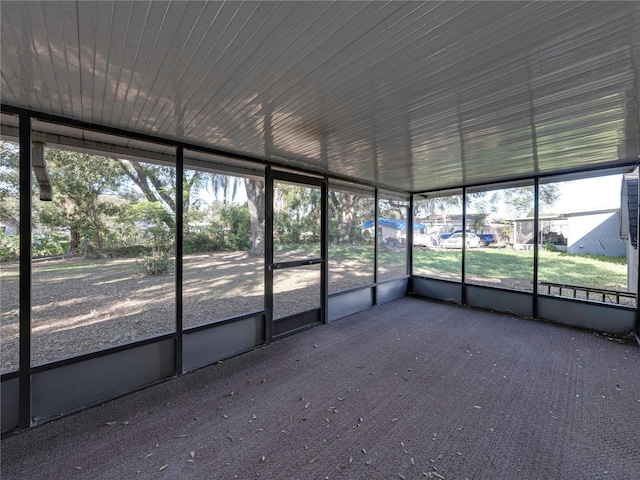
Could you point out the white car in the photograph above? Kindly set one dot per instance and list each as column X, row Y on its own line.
column 455, row 241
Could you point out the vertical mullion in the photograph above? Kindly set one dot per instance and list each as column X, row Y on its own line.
column 637, row 326
column 324, row 248
column 410, row 237
column 463, row 266
column 268, row 253
column 25, row 273
column 376, row 195
column 179, row 244
column 536, row 236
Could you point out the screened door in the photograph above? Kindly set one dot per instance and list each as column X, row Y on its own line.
column 297, row 261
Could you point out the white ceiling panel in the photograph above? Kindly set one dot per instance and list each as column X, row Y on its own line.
column 416, row 96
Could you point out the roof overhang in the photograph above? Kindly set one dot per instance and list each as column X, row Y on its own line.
column 417, row 96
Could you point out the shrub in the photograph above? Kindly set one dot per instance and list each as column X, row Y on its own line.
column 203, row 242
column 153, row 263
column 128, row 251
column 9, row 247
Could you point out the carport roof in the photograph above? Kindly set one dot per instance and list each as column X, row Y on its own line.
column 415, row 96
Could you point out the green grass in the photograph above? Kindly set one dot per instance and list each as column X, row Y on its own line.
column 506, row 266
column 497, row 266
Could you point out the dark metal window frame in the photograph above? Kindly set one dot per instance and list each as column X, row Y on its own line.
column 535, row 181
column 25, row 369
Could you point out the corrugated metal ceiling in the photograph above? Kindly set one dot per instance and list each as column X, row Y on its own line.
column 412, row 95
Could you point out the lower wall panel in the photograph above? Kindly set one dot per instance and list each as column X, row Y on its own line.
column 392, row 290
column 603, row 318
column 438, row 289
column 204, row 347
column 344, row 304
column 78, row 385
column 9, row 404
column 591, row 315
column 508, row 301
column 289, row 325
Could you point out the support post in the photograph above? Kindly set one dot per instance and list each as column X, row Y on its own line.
column 536, row 235
column 25, row 273
column 324, row 250
column 463, row 273
column 376, row 194
column 179, row 244
column 410, row 222
column 268, row 253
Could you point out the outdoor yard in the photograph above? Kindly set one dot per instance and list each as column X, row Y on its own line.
column 514, row 268
column 83, row 305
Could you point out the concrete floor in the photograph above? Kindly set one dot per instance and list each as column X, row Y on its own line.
column 410, row 389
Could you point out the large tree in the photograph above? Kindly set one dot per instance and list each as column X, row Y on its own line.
column 224, row 187
column 80, row 183
column 157, row 183
column 519, row 200
column 255, row 199
column 342, row 209
column 10, row 183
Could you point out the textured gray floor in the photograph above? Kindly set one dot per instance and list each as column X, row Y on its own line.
column 411, row 389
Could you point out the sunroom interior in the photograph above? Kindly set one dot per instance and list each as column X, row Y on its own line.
column 286, row 165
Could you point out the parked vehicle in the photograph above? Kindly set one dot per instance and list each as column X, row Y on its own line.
column 455, row 241
column 485, row 238
column 424, row 240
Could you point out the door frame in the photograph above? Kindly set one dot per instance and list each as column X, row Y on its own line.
column 308, row 318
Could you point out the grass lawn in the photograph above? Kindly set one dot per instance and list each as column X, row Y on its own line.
column 83, row 305
column 510, row 268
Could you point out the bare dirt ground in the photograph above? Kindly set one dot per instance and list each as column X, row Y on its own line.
column 81, row 305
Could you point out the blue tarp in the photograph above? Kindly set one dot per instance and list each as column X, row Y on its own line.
column 397, row 224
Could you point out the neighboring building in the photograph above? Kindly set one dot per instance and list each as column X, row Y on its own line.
column 594, row 232
column 553, row 231
column 393, row 229
column 445, row 224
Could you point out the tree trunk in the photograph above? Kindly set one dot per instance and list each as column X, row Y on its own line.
column 74, row 240
column 255, row 200
column 142, row 178
column 344, row 207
